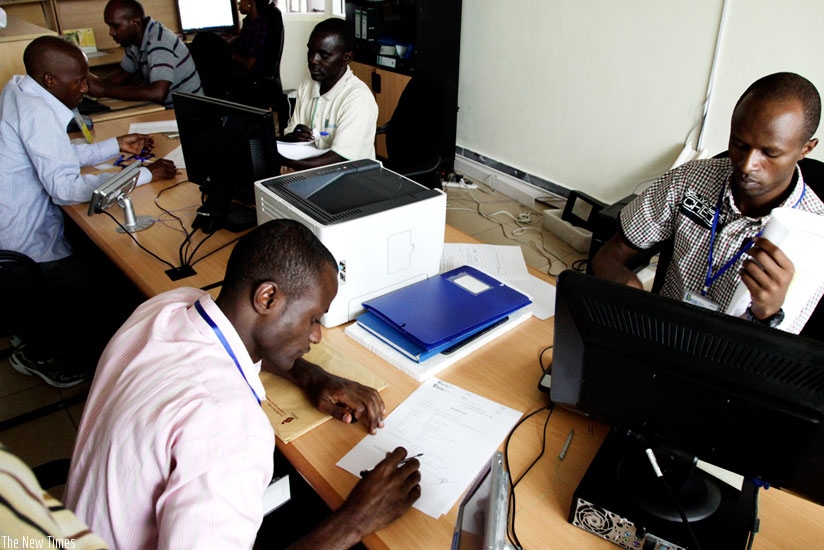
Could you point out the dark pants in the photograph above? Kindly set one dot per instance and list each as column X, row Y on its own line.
column 73, row 310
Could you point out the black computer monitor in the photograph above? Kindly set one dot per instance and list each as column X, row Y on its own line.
column 207, row 15
column 702, row 384
column 227, row 147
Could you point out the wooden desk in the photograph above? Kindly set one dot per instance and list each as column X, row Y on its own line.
column 13, row 41
column 109, row 57
column 505, row 370
column 127, row 110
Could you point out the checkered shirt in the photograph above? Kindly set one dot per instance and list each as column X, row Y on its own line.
column 682, row 203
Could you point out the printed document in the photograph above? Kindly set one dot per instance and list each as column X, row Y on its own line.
column 454, row 430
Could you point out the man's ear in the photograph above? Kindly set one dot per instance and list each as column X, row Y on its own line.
column 48, row 81
column 808, row 147
column 266, row 296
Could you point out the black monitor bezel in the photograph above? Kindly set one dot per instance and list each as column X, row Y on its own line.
column 242, row 191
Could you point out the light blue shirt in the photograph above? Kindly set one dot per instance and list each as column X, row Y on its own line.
column 40, row 170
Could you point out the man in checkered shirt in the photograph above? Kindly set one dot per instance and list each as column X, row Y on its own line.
column 772, row 129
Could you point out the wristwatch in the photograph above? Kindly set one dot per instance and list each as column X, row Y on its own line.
column 772, row 321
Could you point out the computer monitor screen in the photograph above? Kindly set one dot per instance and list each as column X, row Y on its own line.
column 744, row 397
column 226, row 147
column 212, row 15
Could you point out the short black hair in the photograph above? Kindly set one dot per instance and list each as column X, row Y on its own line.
column 133, row 8
column 49, row 54
column 336, row 25
column 283, row 251
column 789, row 86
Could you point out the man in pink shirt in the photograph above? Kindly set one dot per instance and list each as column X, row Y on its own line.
column 173, row 449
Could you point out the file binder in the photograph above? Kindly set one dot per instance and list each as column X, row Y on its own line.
column 403, row 344
column 446, row 308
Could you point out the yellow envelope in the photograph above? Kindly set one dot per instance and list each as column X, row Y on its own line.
column 290, row 411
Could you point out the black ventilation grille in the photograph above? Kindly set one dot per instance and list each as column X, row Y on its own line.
column 707, row 347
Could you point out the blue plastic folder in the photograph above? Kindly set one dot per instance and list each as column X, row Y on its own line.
column 400, row 342
column 445, row 309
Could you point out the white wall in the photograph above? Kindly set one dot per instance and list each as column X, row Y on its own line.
column 760, row 38
column 297, row 28
column 600, row 95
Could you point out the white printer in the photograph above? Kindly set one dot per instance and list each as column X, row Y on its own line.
column 385, row 230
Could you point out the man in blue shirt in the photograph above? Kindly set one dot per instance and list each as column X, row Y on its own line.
column 39, row 171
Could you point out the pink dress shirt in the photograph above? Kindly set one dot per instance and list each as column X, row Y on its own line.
column 173, row 449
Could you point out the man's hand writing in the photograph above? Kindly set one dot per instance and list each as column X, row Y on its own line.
column 386, row 492
column 302, row 133
column 162, row 169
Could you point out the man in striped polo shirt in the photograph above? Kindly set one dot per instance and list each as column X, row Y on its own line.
column 155, row 62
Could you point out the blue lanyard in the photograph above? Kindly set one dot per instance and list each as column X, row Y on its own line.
column 711, row 278
column 226, row 345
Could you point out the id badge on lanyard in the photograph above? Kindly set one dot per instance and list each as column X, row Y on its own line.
column 700, row 299
column 696, row 299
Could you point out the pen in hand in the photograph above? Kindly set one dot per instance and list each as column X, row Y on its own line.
column 402, row 462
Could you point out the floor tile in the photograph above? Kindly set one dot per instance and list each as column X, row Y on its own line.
column 27, row 400
column 12, row 382
column 76, row 412
column 43, row 439
column 82, row 388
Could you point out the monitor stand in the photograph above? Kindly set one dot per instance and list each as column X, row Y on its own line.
column 615, row 502
column 697, row 495
column 240, row 218
column 131, row 222
column 221, row 212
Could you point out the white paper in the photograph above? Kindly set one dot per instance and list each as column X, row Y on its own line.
column 541, row 292
column 800, row 236
column 456, row 430
column 505, row 263
column 299, row 151
column 176, row 156
column 500, row 261
column 153, row 127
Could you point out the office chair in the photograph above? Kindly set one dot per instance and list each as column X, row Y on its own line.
column 419, row 134
column 220, row 79
column 20, row 278
column 263, row 89
column 213, row 60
